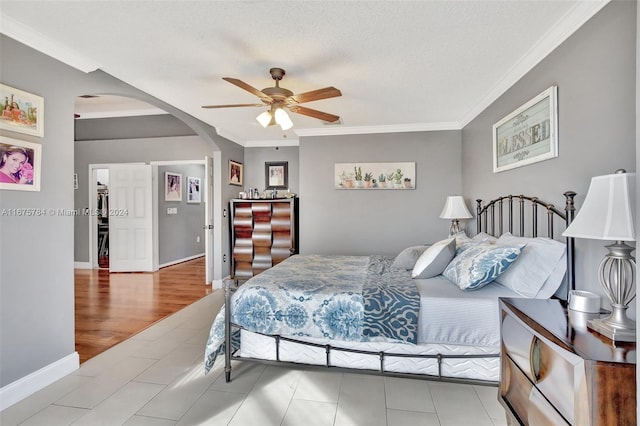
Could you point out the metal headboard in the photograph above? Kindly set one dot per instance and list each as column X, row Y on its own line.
column 487, row 217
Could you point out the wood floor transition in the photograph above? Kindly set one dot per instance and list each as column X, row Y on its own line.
column 111, row 307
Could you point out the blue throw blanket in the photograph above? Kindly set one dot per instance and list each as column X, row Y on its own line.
column 352, row 298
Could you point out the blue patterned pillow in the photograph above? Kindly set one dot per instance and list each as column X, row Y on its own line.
column 480, row 264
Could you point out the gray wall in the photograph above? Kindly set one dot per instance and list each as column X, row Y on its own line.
column 254, row 159
column 334, row 221
column 37, row 253
column 595, row 73
column 180, row 235
column 126, row 151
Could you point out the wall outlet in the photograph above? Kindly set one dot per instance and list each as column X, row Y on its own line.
column 172, row 210
column 198, row 239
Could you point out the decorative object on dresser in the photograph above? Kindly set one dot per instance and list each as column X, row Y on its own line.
column 263, row 234
column 607, row 214
column 455, row 209
column 554, row 371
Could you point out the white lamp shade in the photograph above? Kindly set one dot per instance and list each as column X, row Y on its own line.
column 265, row 118
column 608, row 211
column 282, row 118
column 455, row 208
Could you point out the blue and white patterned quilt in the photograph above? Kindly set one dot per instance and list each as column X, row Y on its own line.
column 352, row 298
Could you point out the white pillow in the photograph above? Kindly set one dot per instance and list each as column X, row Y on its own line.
column 555, row 280
column 408, row 257
column 434, row 259
column 481, row 264
column 534, row 266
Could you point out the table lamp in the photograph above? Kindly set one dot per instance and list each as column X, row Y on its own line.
column 608, row 213
column 455, row 209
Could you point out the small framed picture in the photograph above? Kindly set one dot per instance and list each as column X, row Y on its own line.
column 193, row 190
column 19, row 165
column 22, row 112
column 172, row 186
column 235, row 173
column 276, row 174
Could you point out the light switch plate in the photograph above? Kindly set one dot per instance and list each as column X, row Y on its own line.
column 172, row 210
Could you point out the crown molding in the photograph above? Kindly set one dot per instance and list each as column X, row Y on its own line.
column 391, row 128
column 272, row 143
column 568, row 24
column 20, row 32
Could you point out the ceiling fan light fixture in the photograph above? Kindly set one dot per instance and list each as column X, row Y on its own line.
column 265, row 118
column 282, row 118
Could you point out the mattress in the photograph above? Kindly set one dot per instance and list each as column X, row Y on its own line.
column 451, row 323
column 486, row 369
column 451, row 316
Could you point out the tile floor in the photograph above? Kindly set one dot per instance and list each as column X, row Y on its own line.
column 156, row 379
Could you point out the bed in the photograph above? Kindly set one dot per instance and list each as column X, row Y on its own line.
column 429, row 312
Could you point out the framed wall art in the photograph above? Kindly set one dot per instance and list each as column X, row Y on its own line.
column 19, row 165
column 193, row 190
column 276, row 175
column 235, row 173
column 375, row 175
column 172, row 186
column 22, row 112
column 527, row 135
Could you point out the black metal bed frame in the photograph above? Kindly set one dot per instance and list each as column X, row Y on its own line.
column 486, row 215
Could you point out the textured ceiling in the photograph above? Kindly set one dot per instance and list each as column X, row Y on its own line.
column 401, row 65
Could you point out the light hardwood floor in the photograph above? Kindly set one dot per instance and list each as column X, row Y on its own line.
column 111, row 307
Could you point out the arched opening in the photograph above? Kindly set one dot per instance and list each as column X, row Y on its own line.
column 112, row 129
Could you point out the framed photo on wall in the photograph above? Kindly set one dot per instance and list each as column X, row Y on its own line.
column 19, row 165
column 193, row 190
column 276, row 174
column 172, row 186
column 235, row 173
column 22, row 112
column 527, row 135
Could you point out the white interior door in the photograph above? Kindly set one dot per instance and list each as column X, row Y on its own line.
column 208, row 223
column 130, row 218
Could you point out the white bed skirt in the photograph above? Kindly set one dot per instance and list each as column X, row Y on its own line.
column 485, row 369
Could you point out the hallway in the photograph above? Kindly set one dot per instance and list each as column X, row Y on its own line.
column 110, row 308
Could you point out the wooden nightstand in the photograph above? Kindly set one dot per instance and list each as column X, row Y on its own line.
column 555, row 371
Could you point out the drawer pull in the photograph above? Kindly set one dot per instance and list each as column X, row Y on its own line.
column 534, row 359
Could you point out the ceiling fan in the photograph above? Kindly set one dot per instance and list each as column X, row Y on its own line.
column 280, row 98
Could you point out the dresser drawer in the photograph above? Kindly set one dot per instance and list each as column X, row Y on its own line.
column 524, row 400
column 555, row 373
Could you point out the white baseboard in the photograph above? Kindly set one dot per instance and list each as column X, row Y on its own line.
column 30, row 384
column 175, row 262
column 82, row 265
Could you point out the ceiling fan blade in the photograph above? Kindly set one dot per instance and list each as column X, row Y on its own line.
column 232, row 105
column 314, row 113
column 314, row 95
column 241, row 84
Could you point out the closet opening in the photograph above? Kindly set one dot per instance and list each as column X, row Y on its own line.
column 101, row 180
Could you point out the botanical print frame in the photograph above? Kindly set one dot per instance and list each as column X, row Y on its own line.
column 193, row 190
column 22, row 112
column 236, row 173
column 16, row 174
column 172, row 186
column 527, row 135
column 375, row 175
column 276, row 174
